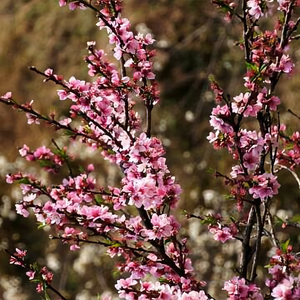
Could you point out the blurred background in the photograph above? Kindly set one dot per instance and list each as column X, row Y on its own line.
column 193, row 41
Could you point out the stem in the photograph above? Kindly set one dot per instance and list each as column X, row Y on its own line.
column 123, row 74
column 247, row 251
column 66, row 160
column 53, row 122
column 149, row 107
column 260, row 228
column 246, row 32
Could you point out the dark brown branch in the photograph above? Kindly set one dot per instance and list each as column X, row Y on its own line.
column 260, row 228
column 246, row 32
column 291, row 112
column 247, row 251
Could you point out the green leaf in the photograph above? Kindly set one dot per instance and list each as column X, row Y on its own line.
column 41, row 225
column 109, row 151
column 252, row 66
column 296, row 218
column 81, row 169
column 211, row 78
column 210, row 170
column 279, row 221
column 183, row 212
column 163, row 280
column 98, row 199
column 35, row 267
column 285, row 245
column 116, row 244
column 24, row 180
column 68, row 133
column 116, row 273
column 46, row 163
column 289, row 147
column 47, row 297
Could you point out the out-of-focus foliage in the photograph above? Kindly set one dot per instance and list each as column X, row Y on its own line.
column 193, row 41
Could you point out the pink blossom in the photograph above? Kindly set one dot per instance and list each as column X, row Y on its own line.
column 251, row 159
column 162, row 227
column 125, row 283
column 29, row 197
column 255, row 9
column 264, row 186
column 194, row 296
column 39, row 288
column 7, row 96
column 237, row 289
column 63, row 95
column 46, row 275
column 21, row 210
column 24, row 150
column 286, row 65
column 18, row 257
column 62, row 2
column 283, row 291
column 74, row 5
column 32, row 119
column 221, row 234
column 49, row 72
column 30, row 274
column 65, row 122
column 283, row 4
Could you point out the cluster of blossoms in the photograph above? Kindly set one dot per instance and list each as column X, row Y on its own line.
column 266, row 60
column 79, row 209
column 257, row 7
column 262, row 152
column 48, row 160
column 285, row 282
column 238, row 289
column 133, row 220
column 43, row 276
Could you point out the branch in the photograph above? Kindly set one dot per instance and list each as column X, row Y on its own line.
column 29, row 268
column 260, row 227
column 247, row 251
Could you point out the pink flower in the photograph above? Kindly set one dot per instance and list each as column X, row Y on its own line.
column 32, row 119
column 194, row 296
column 286, row 64
column 7, row 96
column 264, row 186
column 125, row 283
column 255, row 9
column 62, row 94
column 65, row 122
column 273, row 102
column 221, row 234
column 29, row 197
column 21, row 210
column 30, row 274
column 283, row 291
column 39, row 288
column 283, row 4
column 18, row 258
column 161, row 227
column 46, row 275
column 251, row 159
column 62, row 2
column 237, row 289
column 24, row 150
